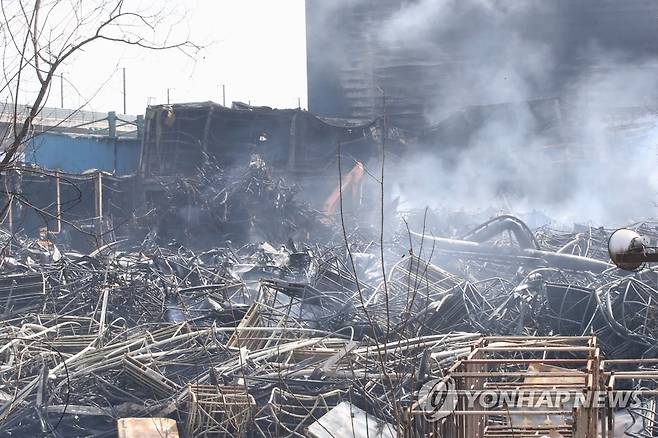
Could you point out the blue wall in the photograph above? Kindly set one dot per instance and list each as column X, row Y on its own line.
column 77, row 153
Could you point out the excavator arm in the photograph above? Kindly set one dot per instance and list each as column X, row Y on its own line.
column 351, row 184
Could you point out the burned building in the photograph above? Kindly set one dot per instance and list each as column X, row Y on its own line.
column 178, row 137
column 420, row 62
column 75, row 168
column 205, row 172
column 296, row 144
column 199, row 296
column 214, row 167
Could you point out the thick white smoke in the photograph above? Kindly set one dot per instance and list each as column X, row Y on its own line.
column 596, row 162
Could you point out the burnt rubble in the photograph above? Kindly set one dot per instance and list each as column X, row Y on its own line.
column 265, row 339
column 160, row 331
column 246, row 204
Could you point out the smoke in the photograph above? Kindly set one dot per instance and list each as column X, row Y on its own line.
column 569, row 127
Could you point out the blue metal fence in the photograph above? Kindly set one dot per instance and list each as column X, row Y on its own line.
column 77, row 153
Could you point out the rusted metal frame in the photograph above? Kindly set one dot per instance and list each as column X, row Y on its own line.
column 620, row 375
column 471, row 427
column 605, row 362
column 593, row 384
column 475, row 378
column 528, row 361
column 548, row 339
column 521, row 387
column 476, row 374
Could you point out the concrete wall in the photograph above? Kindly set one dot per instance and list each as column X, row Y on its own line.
column 77, row 153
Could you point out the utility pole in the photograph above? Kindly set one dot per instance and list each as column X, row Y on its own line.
column 168, row 95
column 124, row 90
column 61, row 90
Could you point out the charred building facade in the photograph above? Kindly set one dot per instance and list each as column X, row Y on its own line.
column 179, row 137
column 418, row 60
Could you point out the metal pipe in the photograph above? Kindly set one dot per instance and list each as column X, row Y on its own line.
column 472, row 246
column 500, row 224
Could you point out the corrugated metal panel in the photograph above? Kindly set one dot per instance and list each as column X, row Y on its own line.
column 75, row 154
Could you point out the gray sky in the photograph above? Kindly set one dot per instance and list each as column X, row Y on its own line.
column 256, row 47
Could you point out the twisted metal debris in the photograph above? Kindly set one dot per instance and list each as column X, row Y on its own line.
column 264, row 341
column 228, row 341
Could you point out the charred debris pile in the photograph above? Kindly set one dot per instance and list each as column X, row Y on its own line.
column 287, row 336
column 245, row 204
column 216, row 301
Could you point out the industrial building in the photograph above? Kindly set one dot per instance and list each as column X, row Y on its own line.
column 416, row 58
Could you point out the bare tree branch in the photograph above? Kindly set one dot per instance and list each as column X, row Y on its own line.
column 40, row 38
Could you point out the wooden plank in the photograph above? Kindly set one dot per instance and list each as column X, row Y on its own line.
column 147, row 428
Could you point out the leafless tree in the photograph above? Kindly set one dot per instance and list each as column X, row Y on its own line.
column 38, row 37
